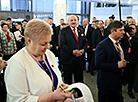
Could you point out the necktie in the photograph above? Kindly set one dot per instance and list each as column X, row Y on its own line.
column 76, row 37
column 118, row 50
column 8, row 37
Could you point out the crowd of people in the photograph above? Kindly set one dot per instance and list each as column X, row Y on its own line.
column 31, row 47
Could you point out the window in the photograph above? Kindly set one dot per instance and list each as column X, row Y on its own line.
column 43, row 6
column 5, row 5
column 78, row 8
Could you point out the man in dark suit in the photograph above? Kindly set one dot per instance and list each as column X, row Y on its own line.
column 130, row 45
column 98, row 35
column 109, row 61
column 73, row 44
column 53, row 41
column 87, row 30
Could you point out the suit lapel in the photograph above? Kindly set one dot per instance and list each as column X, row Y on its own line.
column 110, row 43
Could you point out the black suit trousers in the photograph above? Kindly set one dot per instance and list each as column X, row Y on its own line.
column 106, row 95
column 77, row 69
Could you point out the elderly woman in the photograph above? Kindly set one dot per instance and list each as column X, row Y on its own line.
column 32, row 74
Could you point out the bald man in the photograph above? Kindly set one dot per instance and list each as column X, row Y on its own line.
column 73, row 44
column 88, row 33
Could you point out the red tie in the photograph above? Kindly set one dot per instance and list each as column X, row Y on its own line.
column 8, row 37
column 76, row 37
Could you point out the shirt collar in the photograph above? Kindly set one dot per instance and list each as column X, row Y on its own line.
column 73, row 28
column 113, row 39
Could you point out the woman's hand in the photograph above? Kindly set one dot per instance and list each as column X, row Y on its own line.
column 60, row 95
column 2, row 65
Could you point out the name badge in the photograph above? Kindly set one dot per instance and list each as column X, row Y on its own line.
column 9, row 44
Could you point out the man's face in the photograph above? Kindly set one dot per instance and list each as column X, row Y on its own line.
column 9, row 22
column 100, row 24
column 17, row 26
column 93, row 25
column 24, row 24
column 94, row 19
column 84, row 23
column 50, row 21
column 73, row 21
column 5, row 28
column 119, row 33
column 61, row 21
column 134, row 30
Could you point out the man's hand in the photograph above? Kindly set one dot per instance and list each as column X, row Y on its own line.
column 122, row 64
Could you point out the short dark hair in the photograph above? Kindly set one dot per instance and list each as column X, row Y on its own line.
column 134, row 25
column 3, row 25
column 24, row 20
column 50, row 18
column 115, row 25
column 129, row 17
column 62, row 19
column 8, row 18
column 19, row 23
column 63, row 24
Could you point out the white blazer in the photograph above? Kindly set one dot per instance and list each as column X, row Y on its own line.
column 25, row 80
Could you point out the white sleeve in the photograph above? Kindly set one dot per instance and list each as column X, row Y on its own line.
column 16, row 83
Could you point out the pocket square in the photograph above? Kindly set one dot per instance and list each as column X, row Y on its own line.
column 82, row 34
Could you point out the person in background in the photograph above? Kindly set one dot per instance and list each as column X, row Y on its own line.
column 37, row 77
column 24, row 23
column 8, row 44
column 87, row 30
column 109, row 61
column 3, row 64
column 11, row 27
column 19, row 42
column 73, row 44
column 94, row 19
column 130, row 45
column 54, row 35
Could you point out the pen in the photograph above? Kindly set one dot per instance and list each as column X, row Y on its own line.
column 62, row 89
column 127, row 61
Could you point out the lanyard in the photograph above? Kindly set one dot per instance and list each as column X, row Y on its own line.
column 46, row 63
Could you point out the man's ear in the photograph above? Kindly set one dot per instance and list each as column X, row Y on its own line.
column 112, row 31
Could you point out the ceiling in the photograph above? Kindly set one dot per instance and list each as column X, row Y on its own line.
column 127, row 2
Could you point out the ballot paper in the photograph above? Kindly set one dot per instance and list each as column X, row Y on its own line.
column 17, row 34
column 86, row 93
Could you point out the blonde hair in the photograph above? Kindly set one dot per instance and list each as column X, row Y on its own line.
column 37, row 29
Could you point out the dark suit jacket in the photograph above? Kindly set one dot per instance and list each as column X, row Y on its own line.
column 97, row 36
column 89, row 34
column 131, row 57
column 68, row 43
column 106, row 59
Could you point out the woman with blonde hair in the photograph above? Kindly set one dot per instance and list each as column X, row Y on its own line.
column 32, row 74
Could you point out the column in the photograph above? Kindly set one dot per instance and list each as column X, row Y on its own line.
column 59, row 11
column 135, row 13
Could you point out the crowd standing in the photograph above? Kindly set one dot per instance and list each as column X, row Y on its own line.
column 111, row 47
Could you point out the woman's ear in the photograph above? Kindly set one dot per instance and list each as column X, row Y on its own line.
column 28, row 40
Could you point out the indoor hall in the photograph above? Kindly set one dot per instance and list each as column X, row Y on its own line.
column 19, row 10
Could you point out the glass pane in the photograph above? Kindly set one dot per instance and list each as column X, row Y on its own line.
column 5, row 5
column 73, row 6
column 43, row 6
